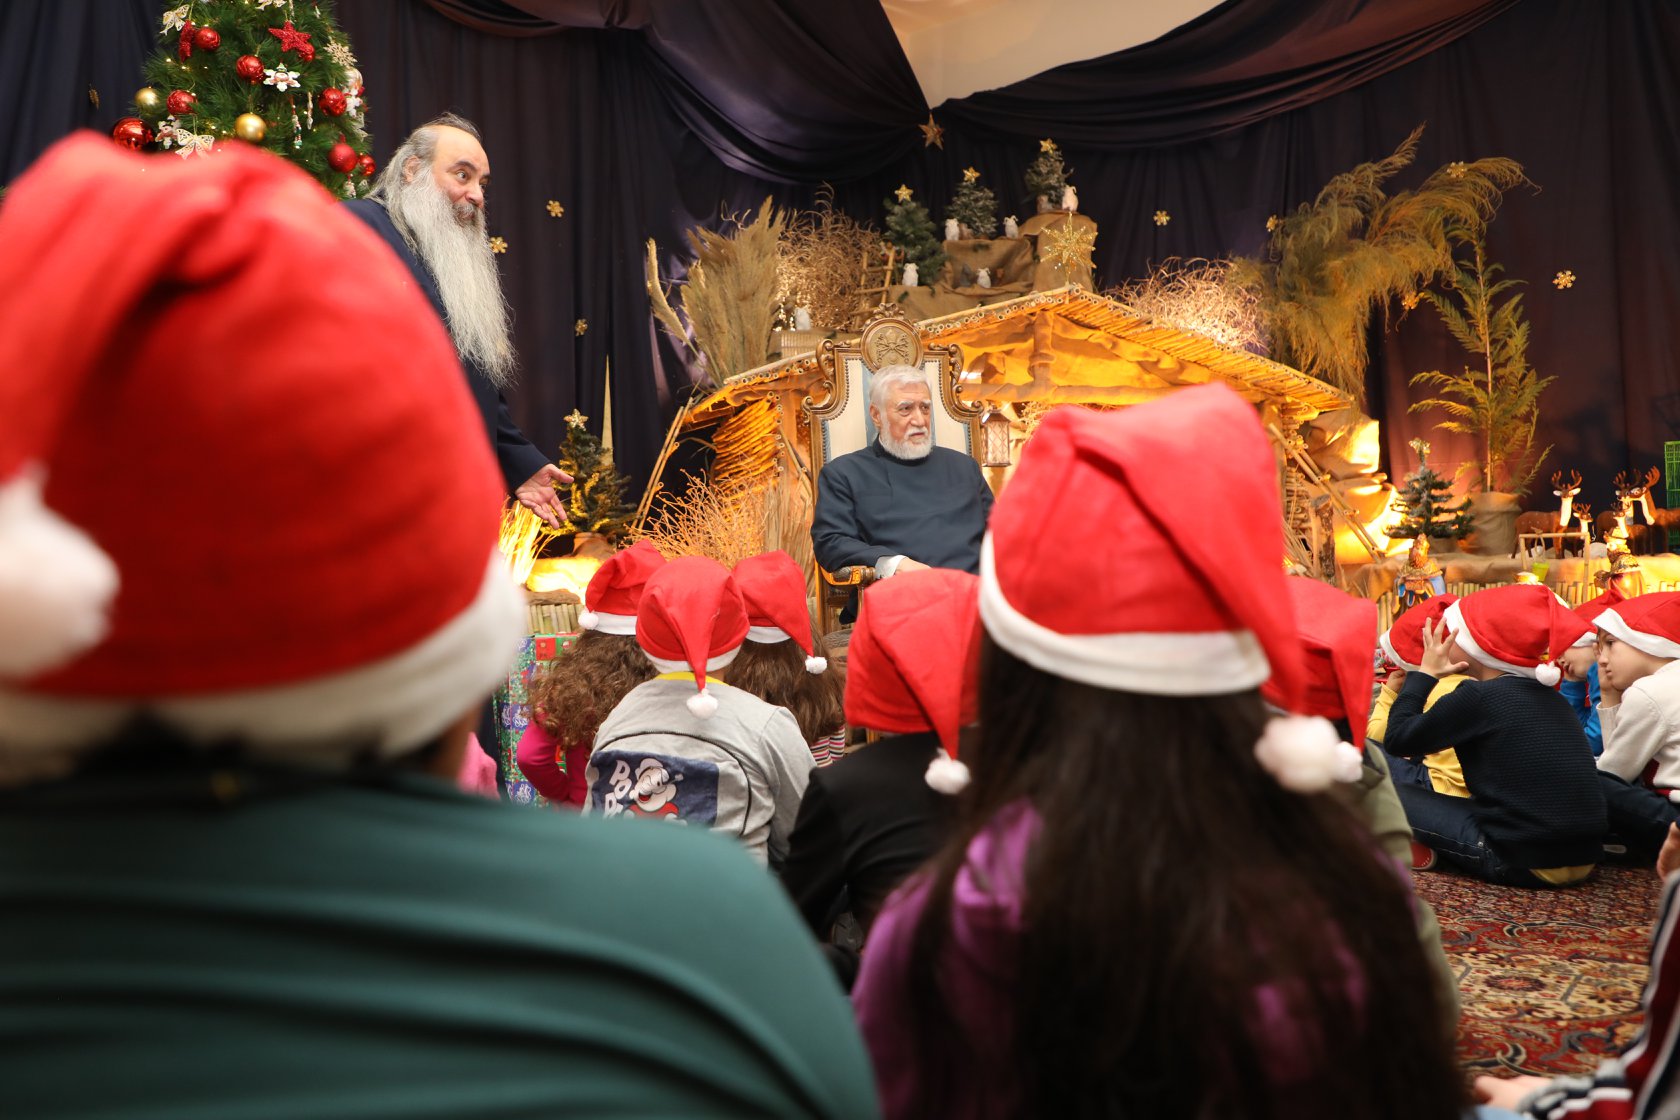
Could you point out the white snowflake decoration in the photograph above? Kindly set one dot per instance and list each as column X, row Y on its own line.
column 282, row 80
column 176, row 18
column 340, row 54
column 352, row 104
column 271, row 3
column 192, row 143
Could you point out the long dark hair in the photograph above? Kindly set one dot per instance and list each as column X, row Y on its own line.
column 775, row 673
column 1174, row 882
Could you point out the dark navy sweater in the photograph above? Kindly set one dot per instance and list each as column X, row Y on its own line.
column 517, row 457
column 871, row 504
column 1534, row 787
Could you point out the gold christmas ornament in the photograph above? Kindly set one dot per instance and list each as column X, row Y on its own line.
column 903, row 193
column 555, row 210
column 1068, row 244
column 574, row 418
column 148, row 99
column 1564, row 279
column 970, row 175
column 580, row 326
column 250, row 128
column 1046, row 145
column 933, row 134
column 1162, row 217
column 498, row 245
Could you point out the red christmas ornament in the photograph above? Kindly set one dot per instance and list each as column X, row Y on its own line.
column 185, row 49
column 291, row 39
column 368, row 166
column 333, row 101
column 249, row 67
column 131, row 132
column 306, row 53
column 181, row 102
column 342, row 157
column 207, row 39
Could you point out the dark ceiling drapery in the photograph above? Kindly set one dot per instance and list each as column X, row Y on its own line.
column 647, row 117
column 801, row 91
column 1236, row 65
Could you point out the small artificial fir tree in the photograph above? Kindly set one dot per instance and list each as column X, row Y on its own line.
column 275, row 73
column 1424, row 504
column 595, row 502
column 911, row 231
column 1046, row 177
column 974, row 206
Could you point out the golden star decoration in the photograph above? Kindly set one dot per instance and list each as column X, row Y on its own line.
column 1272, row 223
column 903, row 193
column 1046, row 145
column 498, row 245
column 1162, row 217
column 1068, row 244
column 1456, row 169
column 1410, row 302
column 574, row 418
column 1564, row 279
column 555, row 210
column 933, row 136
column 581, row 326
column 970, row 175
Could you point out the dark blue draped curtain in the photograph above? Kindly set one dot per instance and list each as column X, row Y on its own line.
column 646, row 117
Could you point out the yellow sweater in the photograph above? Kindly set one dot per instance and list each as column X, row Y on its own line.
column 1445, row 774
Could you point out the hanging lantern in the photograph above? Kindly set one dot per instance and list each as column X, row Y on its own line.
column 994, row 437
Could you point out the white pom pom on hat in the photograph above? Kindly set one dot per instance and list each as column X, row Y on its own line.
column 946, row 775
column 816, row 665
column 1548, row 674
column 588, row 619
column 1305, row 754
column 703, row 704
column 56, row 584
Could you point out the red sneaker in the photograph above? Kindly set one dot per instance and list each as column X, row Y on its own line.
column 1423, row 857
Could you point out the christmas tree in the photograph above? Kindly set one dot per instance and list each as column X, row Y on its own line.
column 974, row 206
column 595, row 503
column 1047, row 178
column 274, row 73
column 911, row 231
column 1424, row 504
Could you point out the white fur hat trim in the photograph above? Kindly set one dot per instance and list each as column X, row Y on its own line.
column 56, row 584
column 946, row 775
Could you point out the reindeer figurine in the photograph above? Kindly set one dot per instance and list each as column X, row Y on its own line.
column 1660, row 520
column 1583, row 518
column 1545, row 521
column 1616, row 527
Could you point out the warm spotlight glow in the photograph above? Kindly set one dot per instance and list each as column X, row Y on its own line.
column 562, row 573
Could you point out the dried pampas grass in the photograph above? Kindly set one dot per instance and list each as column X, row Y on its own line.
column 824, row 259
column 1198, row 295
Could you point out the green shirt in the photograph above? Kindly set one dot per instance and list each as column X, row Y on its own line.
column 396, row 949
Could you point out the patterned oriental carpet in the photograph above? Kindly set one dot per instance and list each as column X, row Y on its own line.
column 1549, row 980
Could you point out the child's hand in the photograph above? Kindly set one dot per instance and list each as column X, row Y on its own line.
column 1396, row 679
column 1438, row 651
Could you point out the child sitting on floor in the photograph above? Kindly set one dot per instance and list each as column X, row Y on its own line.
column 1535, row 814
column 1402, row 646
column 779, row 662
column 1638, row 644
column 571, row 696
column 1149, row 903
column 687, row 748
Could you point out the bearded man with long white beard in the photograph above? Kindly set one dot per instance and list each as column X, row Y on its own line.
column 429, row 207
column 901, row 503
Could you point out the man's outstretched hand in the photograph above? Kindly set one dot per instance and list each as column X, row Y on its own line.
column 537, row 494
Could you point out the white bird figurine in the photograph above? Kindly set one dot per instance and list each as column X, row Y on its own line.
column 1011, row 229
column 802, row 318
column 952, row 232
column 912, row 276
column 1070, row 199
column 984, row 279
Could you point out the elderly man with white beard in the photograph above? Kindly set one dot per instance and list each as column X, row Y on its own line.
column 903, row 502
column 429, row 207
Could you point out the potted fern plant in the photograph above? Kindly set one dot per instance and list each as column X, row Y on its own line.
column 1496, row 400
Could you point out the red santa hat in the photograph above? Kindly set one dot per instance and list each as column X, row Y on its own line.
column 1610, row 597
column 692, row 617
column 267, row 520
column 1649, row 623
column 913, row 663
column 1142, row 551
column 774, row 589
column 615, row 589
column 1337, row 633
column 1402, row 642
column 1520, row 629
